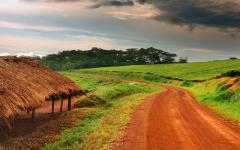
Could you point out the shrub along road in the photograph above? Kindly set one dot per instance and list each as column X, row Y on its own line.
column 172, row 120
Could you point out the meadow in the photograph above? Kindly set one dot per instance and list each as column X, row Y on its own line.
column 114, row 92
column 186, row 71
column 217, row 94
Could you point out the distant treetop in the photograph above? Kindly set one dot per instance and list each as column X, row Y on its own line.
column 97, row 57
column 233, row 58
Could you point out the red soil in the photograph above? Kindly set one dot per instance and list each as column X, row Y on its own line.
column 174, row 120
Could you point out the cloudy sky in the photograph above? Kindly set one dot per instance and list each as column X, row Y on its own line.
column 201, row 29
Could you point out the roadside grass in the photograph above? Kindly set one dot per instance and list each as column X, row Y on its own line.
column 218, row 96
column 187, row 71
column 230, row 111
column 186, row 84
column 127, row 75
column 89, row 84
column 100, row 129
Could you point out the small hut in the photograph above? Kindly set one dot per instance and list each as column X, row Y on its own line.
column 25, row 84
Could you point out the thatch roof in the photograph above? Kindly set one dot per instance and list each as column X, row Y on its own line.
column 25, row 84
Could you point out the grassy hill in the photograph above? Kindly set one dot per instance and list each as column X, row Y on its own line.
column 220, row 94
column 112, row 97
column 188, row 71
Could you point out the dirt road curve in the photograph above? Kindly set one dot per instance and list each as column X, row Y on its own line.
column 173, row 120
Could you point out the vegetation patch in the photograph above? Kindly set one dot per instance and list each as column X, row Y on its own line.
column 187, row 71
column 232, row 73
column 91, row 101
column 221, row 94
column 186, row 84
column 97, row 57
column 220, row 97
column 88, row 84
column 129, row 75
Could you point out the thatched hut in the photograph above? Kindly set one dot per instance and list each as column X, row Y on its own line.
column 25, row 84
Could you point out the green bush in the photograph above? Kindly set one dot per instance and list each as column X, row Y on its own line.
column 186, row 83
column 112, row 91
column 232, row 73
column 91, row 101
column 221, row 94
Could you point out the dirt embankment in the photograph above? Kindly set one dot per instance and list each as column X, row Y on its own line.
column 174, row 120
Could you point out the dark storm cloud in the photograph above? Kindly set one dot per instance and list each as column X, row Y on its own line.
column 51, row 0
column 199, row 12
column 213, row 13
column 222, row 14
column 99, row 3
column 117, row 3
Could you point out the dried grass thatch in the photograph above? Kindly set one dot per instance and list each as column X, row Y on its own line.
column 25, row 84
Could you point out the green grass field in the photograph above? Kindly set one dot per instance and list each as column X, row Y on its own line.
column 225, row 102
column 115, row 92
column 190, row 71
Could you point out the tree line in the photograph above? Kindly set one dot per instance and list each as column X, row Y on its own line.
column 97, row 57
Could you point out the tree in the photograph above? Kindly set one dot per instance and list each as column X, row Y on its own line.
column 233, row 58
column 183, row 60
column 97, row 57
column 68, row 66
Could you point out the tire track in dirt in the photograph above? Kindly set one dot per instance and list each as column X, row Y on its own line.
column 172, row 120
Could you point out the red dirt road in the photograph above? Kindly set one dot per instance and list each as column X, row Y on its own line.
column 173, row 120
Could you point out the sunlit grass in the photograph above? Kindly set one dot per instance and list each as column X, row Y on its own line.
column 218, row 96
column 188, row 71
